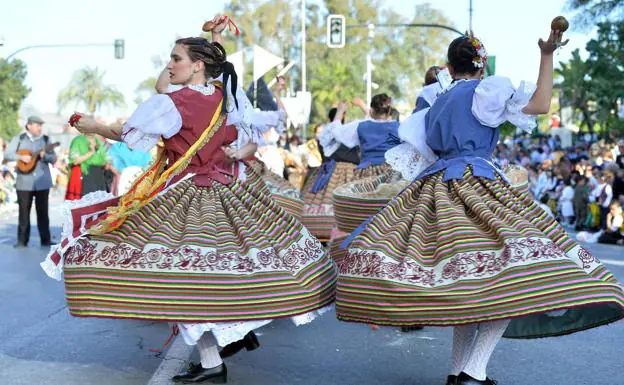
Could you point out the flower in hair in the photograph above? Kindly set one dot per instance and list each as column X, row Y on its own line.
column 480, row 60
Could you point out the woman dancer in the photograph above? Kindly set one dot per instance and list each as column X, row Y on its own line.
column 209, row 247
column 337, row 169
column 460, row 247
column 375, row 135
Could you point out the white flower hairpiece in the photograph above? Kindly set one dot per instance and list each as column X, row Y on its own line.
column 480, row 60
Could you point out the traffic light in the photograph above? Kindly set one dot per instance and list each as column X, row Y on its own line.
column 336, row 28
column 119, row 48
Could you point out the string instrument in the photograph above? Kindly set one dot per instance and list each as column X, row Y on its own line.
column 27, row 168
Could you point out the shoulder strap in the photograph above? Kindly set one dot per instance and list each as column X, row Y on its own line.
column 22, row 136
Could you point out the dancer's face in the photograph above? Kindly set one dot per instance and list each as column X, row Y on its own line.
column 181, row 68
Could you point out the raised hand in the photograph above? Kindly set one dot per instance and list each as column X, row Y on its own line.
column 554, row 41
column 280, row 84
column 358, row 102
column 217, row 24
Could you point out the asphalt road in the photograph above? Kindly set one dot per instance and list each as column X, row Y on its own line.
column 41, row 344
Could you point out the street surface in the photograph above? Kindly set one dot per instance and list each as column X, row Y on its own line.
column 40, row 344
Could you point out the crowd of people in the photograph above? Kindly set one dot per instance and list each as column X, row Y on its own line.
column 582, row 185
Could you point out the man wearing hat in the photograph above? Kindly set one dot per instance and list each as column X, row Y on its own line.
column 35, row 184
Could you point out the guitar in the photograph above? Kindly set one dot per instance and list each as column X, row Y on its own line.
column 27, row 168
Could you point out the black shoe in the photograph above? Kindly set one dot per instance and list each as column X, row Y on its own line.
column 451, row 380
column 407, row 329
column 195, row 374
column 249, row 342
column 49, row 244
column 464, row 379
column 20, row 246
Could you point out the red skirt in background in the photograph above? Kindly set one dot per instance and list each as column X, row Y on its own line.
column 74, row 186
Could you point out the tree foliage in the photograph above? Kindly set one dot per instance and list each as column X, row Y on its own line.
column 13, row 91
column 576, row 88
column 590, row 12
column 400, row 56
column 87, row 89
column 594, row 86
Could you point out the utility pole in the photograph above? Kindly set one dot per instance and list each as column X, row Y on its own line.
column 304, row 69
column 470, row 17
column 369, row 65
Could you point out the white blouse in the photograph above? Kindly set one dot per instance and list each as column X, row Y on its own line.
column 495, row 101
column 327, row 141
column 158, row 117
column 346, row 134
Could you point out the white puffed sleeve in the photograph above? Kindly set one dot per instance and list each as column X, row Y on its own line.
column 430, row 93
column 156, row 117
column 265, row 120
column 413, row 156
column 496, row 101
column 327, row 141
column 345, row 133
column 242, row 117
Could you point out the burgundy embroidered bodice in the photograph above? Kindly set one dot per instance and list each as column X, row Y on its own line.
column 209, row 163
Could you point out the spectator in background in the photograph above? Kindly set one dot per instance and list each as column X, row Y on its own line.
column 35, row 184
column 603, row 194
column 89, row 153
column 618, row 185
column 565, row 203
column 619, row 160
column 614, row 225
column 580, row 202
column 123, row 157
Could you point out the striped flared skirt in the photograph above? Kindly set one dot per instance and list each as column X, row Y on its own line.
column 285, row 194
column 318, row 208
column 201, row 254
column 469, row 251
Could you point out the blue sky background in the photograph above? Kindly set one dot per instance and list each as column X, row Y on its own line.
column 509, row 29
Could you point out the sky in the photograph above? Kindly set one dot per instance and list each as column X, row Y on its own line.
column 509, row 30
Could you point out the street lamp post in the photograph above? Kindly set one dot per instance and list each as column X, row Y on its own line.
column 369, row 65
column 304, row 69
column 118, row 44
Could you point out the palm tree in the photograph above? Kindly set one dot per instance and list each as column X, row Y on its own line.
column 87, row 88
column 576, row 86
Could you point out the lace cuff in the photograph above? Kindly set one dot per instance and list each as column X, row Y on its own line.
column 405, row 159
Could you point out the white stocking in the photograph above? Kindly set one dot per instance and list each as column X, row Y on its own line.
column 208, row 351
column 487, row 337
column 463, row 339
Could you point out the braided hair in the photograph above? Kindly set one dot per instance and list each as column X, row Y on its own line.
column 461, row 55
column 214, row 57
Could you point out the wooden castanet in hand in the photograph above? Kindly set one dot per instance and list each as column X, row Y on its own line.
column 27, row 168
